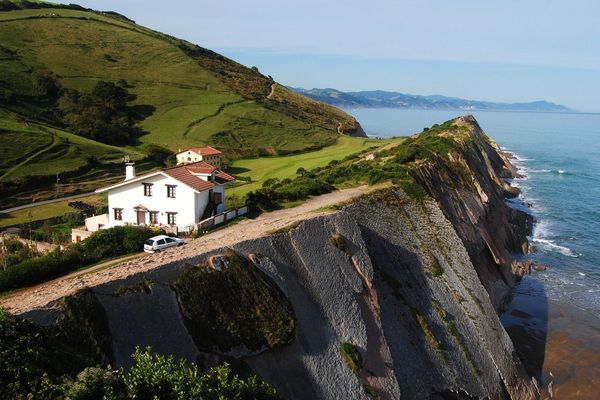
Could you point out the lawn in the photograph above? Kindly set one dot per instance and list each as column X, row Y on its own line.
column 45, row 211
column 263, row 168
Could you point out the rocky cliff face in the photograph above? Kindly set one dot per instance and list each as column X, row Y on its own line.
column 387, row 274
column 470, row 187
column 382, row 298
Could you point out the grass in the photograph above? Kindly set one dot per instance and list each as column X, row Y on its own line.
column 197, row 96
column 45, row 211
column 351, row 357
column 282, row 167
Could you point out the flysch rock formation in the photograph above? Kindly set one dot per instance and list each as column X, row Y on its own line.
column 413, row 285
column 491, row 230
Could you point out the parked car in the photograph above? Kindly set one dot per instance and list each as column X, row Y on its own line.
column 161, row 242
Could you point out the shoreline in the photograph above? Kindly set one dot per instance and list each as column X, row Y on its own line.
column 558, row 343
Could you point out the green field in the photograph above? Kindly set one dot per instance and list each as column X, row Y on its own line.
column 263, row 168
column 46, row 211
column 190, row 97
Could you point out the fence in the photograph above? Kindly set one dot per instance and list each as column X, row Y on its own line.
column 222, row 217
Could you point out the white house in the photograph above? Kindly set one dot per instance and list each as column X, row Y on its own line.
column 195, row 154
column 179, row 196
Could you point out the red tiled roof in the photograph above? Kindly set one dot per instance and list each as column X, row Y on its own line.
column 204, row 151
column 184, row 176
column 184, row 173
column 200, row 167
column 223, row 177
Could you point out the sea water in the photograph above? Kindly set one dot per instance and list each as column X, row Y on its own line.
column 559, row 157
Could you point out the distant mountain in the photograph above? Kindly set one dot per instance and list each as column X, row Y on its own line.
column 383, row 99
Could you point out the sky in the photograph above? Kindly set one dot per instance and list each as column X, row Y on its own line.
column 508, row 50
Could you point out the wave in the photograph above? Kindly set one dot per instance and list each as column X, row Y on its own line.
column 552, row 246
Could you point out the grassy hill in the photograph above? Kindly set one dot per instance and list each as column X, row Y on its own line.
column 188, row 95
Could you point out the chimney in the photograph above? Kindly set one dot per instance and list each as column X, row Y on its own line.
column 129, row 170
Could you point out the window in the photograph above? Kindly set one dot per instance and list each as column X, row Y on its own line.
column 154, row 217
column 160, row 242
column 171, row 218
column 147, row 189
column 189, row 158
column 171, row 191
column 118, row 214
column 169, row 240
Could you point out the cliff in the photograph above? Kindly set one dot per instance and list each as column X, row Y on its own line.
column 470, row 185
column 383, row 298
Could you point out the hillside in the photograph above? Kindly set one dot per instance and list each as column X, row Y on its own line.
column 180, row 95
column 384, row 99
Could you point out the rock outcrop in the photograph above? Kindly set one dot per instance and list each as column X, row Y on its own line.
column 390, row 297
column 470, row 188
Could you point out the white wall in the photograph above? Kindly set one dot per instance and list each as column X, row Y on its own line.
column 201, row 202
column 96, row 222
column 188, row 157
column 131, row 195
column 191, row 156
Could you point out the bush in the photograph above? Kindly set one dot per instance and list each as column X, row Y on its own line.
column 94, row 383
column 116, row 241
column 105, row 243
column 35, row 363
column 159, row 377
column 351, row 357
column 160, row 155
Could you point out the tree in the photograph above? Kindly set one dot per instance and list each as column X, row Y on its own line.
column 101, row 115
column 45, row 84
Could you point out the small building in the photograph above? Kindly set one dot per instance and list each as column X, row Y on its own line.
column 92, row 224
column 207, row 154
column 175, row 198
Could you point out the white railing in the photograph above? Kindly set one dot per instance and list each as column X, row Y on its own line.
column 222, row 217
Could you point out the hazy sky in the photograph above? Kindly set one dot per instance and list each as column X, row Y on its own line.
column 490, row 50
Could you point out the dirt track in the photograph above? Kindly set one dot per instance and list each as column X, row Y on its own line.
column 39, row 296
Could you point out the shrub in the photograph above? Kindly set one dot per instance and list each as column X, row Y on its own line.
column 35, row 363
column 351, row 357
column 94, row 383
column 160, row 155
column 338, row 241
column 105, row 243
column 159, row 377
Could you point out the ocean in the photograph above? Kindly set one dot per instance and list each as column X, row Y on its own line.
column 559, row 156
column 554, row 316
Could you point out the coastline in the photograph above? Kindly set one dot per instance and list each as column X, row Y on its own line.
column 557, row 342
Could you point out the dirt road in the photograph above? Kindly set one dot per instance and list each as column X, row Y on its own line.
column 39, row 296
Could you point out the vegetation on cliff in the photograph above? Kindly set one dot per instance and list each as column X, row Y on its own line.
column 233, row 307
column 390, row 164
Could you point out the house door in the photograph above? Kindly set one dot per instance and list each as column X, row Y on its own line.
column 141, row 217
column 217, row 197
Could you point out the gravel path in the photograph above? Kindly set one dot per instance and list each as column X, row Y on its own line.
column 39, row 296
